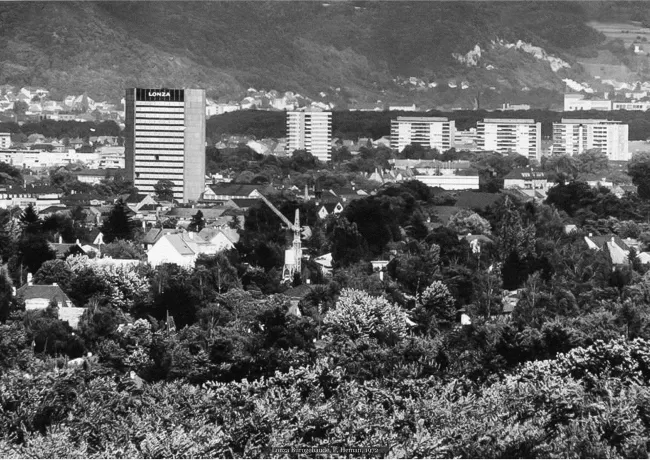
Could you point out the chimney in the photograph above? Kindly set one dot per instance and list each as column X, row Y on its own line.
column 191, row 235
column 29, row 279
column 54, row 284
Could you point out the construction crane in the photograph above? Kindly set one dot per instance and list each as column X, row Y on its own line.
column 293, row 256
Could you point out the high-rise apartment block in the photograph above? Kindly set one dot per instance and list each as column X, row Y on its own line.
column 574, row 136
column 5, row 140
column 165, row 139
column 522, row 136
column 433, row 132
column 310, row 130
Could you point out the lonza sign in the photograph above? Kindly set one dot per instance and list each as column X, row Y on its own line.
column 145, row 94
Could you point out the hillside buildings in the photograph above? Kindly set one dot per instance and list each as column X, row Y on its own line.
column 578, row 101
column 165, row 139
column 522, row 136
column 632, row 101
column 432, row 132
column 574, row 136
column 310, row 130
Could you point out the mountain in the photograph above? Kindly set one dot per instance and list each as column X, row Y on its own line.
column 456, row 53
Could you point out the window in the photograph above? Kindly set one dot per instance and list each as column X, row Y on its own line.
column 157, row 157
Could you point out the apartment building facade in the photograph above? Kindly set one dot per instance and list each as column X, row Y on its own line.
column 5, row 140
column 522, row 136
column 310, row 130
column 165, row 139
column 433, row 132
column 574, row 136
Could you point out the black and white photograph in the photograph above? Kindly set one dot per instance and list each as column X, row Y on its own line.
column 314, row 229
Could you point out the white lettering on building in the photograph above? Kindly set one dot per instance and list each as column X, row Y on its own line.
column 159, row 94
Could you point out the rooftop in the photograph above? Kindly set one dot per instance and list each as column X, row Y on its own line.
column 43, row 291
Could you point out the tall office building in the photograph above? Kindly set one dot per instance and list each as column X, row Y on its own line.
column 522, row 136
column 574, row 136
column 165, row 139
column 310, row 130
column 434, row 132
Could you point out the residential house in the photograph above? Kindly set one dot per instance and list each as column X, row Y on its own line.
column 39, row 297
column 325, row 263
column 241, row 203
column 526, row 179
column 616, row 247
column 40, row 196
column 95, row 176
column 180, row 248
column 222, row 238
column 63, row 250
column 185, row 215
column 154, row 234
column 229, row 191
column 326, row 209
column 135, row 201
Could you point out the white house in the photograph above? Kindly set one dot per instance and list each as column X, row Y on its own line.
column 180, row 249
column 222, row 238
column 39, row 296
column 329, row 208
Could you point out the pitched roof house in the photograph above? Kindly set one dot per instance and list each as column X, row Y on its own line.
column 229, row 191
column 326, row 209
column 181, row 248
column 222, row 238
column 39, row 296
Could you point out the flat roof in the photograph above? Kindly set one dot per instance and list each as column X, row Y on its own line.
column 509, row 120
column 583, row 121
column 422, row 119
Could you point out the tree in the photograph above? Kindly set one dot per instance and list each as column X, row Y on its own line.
column 514, row 234
column 164, row 190
column 348, row 245
column 359, row 315
column 214, row 274
column 34, row 250
column 119, row 224
column 6, row 293
column 466, row 221
column 30, row 220
column 435, row 304
column 20, row 107
column 414, row 266
column 54, row 271
column 639, row 170
column 197, row 223
column 122, row 249
column 592, row 161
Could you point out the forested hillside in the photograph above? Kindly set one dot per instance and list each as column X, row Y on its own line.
column 358, row 47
